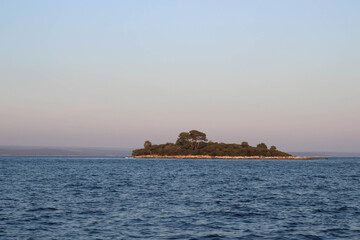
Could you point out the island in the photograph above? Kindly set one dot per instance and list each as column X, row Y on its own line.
column 195, row 145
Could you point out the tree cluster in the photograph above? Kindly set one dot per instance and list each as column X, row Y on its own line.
column 195, row 143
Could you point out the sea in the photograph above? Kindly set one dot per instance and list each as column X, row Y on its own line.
column 119, row 198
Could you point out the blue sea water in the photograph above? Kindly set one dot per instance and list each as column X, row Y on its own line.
column 117, row 198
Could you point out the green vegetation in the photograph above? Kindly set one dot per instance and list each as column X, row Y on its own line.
column 196, row 143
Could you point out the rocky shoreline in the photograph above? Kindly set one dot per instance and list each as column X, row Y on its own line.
column 217, row 157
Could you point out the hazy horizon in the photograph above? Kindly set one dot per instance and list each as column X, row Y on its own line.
column 117, row 73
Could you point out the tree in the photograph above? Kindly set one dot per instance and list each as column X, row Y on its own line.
column 272, row 148
column 197, row 138
column 262, row 145
column 245, row 144
column 184, row 140
column 147, row 146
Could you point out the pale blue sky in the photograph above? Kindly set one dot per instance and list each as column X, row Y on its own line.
column 116, row 73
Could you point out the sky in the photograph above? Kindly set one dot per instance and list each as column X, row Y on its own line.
column 117, row 73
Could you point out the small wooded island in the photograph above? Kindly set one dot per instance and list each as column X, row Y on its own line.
column 194, row 144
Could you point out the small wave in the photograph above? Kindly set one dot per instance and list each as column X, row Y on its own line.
column 42, row 209
column 92, row 212
column 212, row 236
column 309, row 236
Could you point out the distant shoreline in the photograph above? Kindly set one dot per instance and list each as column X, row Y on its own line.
column 217, row 157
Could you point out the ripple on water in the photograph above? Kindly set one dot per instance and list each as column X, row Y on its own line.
column 111, row 198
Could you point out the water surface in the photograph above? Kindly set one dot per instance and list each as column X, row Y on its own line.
column 117, row 198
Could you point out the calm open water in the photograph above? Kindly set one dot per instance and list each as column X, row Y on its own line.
column 116, row 198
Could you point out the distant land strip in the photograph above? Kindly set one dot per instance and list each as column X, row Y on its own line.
column 217, row 157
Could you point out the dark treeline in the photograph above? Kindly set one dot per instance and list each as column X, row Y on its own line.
column 196, row 143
